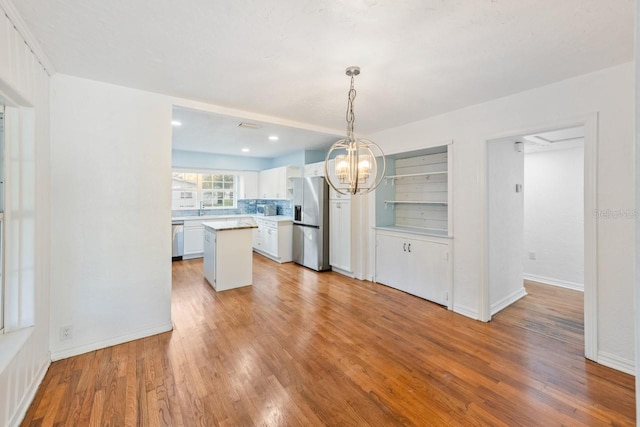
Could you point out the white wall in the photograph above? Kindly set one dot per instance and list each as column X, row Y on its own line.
column 111, row 206
column 505, row 170
column 609, row 93
column 554, row 217
column 24, row 354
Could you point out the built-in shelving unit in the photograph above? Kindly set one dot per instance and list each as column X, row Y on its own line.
column 413, row 233
column 414, row 202
column 415, row 193
column 426, row 174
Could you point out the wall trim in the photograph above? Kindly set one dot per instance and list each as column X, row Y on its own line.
column 21, row 27
column 555, row 282
column 132, row 336
column 616, row 362
column 508, row 300
column 30, row 394
column 465, row 311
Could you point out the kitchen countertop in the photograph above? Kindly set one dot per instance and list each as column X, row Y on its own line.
column 229, row 225
column 414, row 230
column 226, row 217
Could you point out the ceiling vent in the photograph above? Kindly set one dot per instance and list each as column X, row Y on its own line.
column 249, row 125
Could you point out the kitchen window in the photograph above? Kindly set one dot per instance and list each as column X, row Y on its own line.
column 210, row 190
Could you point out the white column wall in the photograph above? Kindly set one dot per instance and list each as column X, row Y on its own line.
column 609, row 93
column 505, row 170
column 111, row 207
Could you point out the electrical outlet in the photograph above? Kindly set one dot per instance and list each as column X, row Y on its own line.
column 66, row 333
column 532, row 255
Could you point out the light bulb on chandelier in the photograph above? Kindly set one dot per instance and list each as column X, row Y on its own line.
column 356, row 168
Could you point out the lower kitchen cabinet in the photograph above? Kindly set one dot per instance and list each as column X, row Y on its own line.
column 418, row 265
column 193, row 239
column 273, row 239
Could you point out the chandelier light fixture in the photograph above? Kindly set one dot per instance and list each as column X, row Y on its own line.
column 357, row 160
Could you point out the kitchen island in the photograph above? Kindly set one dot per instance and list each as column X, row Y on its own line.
column 228, row 252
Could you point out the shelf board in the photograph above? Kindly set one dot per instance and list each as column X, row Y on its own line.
column 414, row 202
column 415, row 174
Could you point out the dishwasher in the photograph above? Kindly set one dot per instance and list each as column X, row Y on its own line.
column 177, row 233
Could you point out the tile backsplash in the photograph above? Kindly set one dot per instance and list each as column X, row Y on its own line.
column 245, row 207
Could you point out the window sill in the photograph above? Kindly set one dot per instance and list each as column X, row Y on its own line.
column 10, row 345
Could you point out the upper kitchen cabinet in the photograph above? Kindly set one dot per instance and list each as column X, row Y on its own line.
column 248, row 185
column 274, row 183
column 314, row 169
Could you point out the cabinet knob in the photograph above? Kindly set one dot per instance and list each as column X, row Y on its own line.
column 409, row 248
column 404, row 247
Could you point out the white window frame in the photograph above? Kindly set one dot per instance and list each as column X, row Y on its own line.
column 199, row 191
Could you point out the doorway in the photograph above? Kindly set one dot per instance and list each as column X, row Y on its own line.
column 505, row 220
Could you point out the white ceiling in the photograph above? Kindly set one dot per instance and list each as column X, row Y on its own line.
column 560, row 139
column 214, row 133
column 286, row 58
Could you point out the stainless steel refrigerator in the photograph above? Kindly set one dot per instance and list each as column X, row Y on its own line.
column 311, row 222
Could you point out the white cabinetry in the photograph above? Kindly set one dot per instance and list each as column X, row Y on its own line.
column 274, row 183
column 340, row 235
column 248, row 185
column 419, row 265
column 273, row 239
column 227, row 257
column 209, row 262
column 314, row 169
column 193, row 239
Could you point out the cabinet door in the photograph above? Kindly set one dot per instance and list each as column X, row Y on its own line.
column 340, row 238
column 314, row 169
column 258, row 240
column 248, row 185
column 209, row 256
column 271, row 241
column 193, row 240
column 428, row 270
column 266, row 184
column 391, row 261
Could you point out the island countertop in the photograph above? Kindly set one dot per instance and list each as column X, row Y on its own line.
column 229, row 225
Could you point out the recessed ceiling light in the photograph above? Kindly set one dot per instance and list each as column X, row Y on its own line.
column 245, row 150
column 176, row 123
column 273, row 138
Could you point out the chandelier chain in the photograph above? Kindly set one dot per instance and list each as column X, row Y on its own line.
column 351, row 116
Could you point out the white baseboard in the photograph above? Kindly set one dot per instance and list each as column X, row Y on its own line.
column 555, row 282
column 21, row 410
column 135, row 335
column 343, row 272
column 616, row 362
column 508, row 300
column 465, row 311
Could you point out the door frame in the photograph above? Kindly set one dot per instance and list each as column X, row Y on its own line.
column 590, row 123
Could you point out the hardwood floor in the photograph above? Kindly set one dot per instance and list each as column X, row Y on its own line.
column 301, row 348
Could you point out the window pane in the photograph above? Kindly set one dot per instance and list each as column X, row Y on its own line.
column 228, row 178
column 217, row 185
column 207, row 185
column 228, row 185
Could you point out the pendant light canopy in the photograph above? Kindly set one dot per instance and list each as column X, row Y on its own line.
column 359, row 164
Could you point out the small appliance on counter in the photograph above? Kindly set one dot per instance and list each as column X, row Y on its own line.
column 266, row 210
column 311, row 222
